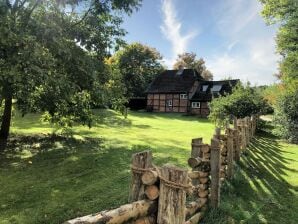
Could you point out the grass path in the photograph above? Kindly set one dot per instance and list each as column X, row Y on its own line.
column 49, row 180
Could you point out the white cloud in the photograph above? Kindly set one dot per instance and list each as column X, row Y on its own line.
column 250, row 46
column 171, row 29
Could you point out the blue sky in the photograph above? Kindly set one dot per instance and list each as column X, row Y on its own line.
column 230, row 35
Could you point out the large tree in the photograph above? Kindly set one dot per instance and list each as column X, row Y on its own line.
column 285, row 13
column 138, row 64
column 189, row 60
column 52, row 56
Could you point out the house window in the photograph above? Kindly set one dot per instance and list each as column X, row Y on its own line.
column 195, row 105
column 169, row 103
column 183, row 96
column 204, row 88
column 216, row 88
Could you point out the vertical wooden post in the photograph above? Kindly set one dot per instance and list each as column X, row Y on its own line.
column 217, row 133
column 215, row 171
column 236, row 141
column 253, row 120
column 254, row 124
column 242, row 133
column 171, row 206
column 247, row 133
column 140, row 161
column 230, row 146
column 196, row 145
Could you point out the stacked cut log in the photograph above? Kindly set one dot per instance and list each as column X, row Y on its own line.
column 200, row 176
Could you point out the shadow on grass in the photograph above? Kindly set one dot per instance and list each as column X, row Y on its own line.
column 53, row 179
column 259, row 193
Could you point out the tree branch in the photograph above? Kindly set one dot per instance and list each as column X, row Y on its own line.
column 31, row 11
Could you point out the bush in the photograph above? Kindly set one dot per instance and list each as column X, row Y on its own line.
column 286, row 116
column 244, row 101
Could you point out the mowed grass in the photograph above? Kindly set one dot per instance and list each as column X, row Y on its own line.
column 50, row 180
column 265, row 186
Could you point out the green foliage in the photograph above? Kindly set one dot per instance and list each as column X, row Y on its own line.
column 286, row 116
column 188, row 60
column 285, row 12
column 138, row 64
column 52, row 60
column 244, row 101
column 271, row 93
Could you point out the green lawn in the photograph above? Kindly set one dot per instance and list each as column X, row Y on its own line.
column 49, row 180
column 265, row 187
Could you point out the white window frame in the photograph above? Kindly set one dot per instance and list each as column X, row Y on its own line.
column 195, row 104
column 183, row 96
column 169, row 103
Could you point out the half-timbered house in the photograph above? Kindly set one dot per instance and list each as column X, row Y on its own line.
column 185, row 91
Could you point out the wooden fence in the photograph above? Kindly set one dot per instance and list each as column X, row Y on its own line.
column 171, row 195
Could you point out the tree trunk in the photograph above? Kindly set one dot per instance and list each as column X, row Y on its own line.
column 6, row 120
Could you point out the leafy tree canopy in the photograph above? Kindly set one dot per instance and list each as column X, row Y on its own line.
column 244, row 101
column 188, row 60
column 285, row 13
column 138, row 64
column 52, row 53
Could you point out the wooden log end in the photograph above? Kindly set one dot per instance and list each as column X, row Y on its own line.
column 204, row 180
column 203, row 193
column 150, row 177
column 152, row 192
column 194, row 162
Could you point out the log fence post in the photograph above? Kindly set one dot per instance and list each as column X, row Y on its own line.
column 140, row 162
column 236, row 141
column 215, row 172
column 171, row 206
column 230, row 156
column 196, row 153
column 247, row 131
